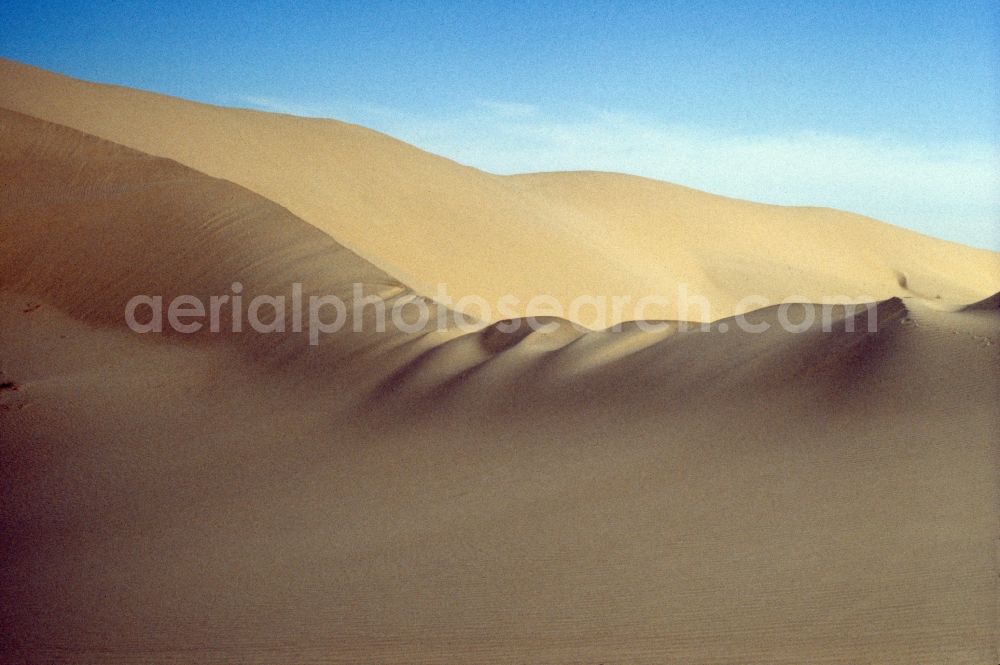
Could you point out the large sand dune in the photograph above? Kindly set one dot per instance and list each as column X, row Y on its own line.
column 428, row 220
column 557, row 496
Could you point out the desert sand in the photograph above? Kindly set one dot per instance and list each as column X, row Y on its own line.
column 566, row 496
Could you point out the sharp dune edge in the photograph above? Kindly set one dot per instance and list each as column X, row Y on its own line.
column 487, row 497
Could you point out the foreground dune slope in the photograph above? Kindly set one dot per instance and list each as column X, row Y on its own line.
column 88, row 224
column 429, row 221
column 677, row 496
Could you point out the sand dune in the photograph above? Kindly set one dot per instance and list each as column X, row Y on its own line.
column 427, row 220
column 496, row 496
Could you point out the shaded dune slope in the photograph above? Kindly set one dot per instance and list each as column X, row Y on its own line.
column 86, row 224
column 709, row 498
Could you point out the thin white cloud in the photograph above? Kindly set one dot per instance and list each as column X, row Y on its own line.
column 289, row 108
column 337, row 111
column 507, row 109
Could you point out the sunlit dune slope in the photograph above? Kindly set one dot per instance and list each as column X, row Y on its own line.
column 428, row 221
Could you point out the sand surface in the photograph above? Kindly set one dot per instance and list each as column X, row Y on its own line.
column 680, row 496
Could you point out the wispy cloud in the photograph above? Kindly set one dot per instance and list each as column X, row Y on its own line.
column 507, row 109
column 337, row 111
column 289, row 108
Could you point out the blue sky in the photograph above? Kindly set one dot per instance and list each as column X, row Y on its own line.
column 890, row 109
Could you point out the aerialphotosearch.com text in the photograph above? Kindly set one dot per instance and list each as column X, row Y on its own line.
column 401, row 310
